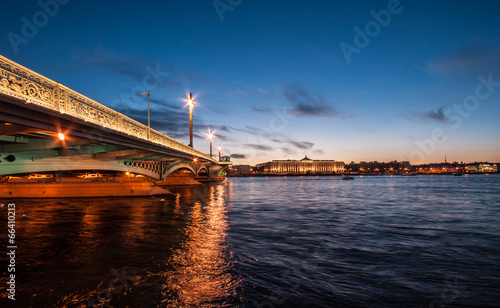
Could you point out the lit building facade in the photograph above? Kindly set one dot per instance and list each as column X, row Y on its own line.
column 303, row 166
column 482, row 168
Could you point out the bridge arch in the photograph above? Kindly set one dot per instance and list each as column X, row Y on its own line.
column 203, row 171
column 222, row 171
column 173, row 167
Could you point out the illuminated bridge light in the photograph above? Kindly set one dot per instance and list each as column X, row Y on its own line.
column 61, row 136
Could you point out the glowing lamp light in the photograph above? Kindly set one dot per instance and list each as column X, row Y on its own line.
column 61, row 136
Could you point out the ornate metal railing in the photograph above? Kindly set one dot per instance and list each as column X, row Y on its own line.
column 21, row 82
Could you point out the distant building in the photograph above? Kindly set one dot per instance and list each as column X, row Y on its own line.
column 303, row 166
column 482, row 168
column 238, row 170
column 441, row 168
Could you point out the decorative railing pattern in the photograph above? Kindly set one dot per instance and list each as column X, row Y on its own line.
column 21, row 82
column 153, row 166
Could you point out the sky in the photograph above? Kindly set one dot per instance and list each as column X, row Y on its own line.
column 343, row 80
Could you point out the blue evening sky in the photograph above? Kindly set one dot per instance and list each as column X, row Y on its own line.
column 282, row 79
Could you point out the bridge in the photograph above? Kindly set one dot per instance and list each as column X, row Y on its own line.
column 49, row 133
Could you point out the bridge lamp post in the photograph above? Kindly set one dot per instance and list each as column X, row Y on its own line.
column 191, row 105
column 210, row 135
column 219, row 150
column 149, row 119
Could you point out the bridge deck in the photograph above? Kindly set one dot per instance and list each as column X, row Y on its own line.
column 35, row 92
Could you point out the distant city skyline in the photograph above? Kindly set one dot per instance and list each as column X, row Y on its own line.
column 365, row 81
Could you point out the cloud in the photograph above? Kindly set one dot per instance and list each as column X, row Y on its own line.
column 301, row 144
column 470, row 60
column 318, row 152
column 276, row 138
column 223, row 128
column 287, row 151
column 263, row 110
column 255, row 131
column 238, row 156
column 259, row 147
column 222, row 138
column 137, row 69
column 305, row 105
column 426, row 116
column 116, row 63
column 167, row 118
column 436, row 115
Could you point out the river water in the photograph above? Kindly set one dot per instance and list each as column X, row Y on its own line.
column 381, row 241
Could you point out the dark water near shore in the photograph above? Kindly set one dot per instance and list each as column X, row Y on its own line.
column 422, row 241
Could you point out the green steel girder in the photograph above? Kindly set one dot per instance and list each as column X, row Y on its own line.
column 14, row 139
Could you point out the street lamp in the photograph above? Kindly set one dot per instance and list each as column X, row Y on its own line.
column 191, row 105
column 210, row 136
column 149, row 118
column 219, row 150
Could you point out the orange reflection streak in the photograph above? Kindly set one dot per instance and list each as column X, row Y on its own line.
column 200, row 276
column 177, row 206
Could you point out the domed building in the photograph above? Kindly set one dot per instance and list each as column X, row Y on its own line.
column 304, row 166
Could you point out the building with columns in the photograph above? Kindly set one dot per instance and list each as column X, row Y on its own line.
column 303, row 166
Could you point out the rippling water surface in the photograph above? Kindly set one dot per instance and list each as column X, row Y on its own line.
column 422, row 241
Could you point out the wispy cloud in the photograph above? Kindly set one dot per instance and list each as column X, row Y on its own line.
column 275, row 137
column 306, row 105
column 167, row 118
column 238, row 156
column 259, row 147
column 264, row 110
column 136, row 68
column 287, row 151
column 436, row 115
column 222, row 138
column 256, row 131
column 300, row 144
column 470, row 60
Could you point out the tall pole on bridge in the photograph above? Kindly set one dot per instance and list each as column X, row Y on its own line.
column 210, row 135
column 149, row 118
column 219, row 151
column 191, row 104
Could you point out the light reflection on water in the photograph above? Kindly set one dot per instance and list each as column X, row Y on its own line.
column 267, row 242
column 200, row 274
column 167, row 251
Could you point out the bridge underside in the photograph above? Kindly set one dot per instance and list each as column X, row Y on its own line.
column 30, row 144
